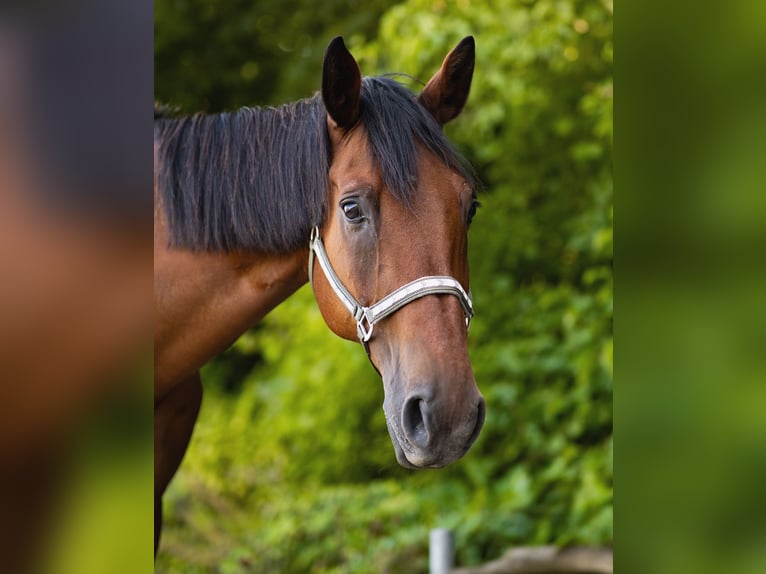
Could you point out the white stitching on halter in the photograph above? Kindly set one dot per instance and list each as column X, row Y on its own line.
column 367, row 317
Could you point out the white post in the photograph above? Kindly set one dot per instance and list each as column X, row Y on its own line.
column 441, row 551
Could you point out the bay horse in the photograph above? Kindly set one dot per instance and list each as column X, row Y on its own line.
column 360, row 183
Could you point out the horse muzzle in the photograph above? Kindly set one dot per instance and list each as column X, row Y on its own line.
column 429, row 431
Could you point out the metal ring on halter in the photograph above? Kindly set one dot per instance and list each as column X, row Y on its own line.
column 367, row 317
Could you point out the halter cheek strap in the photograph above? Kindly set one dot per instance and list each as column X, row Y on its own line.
column 367, row 317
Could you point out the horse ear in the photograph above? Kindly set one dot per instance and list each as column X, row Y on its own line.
column 446, row 93
column 341, row 84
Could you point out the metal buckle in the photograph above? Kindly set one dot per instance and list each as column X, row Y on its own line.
column 364, row 324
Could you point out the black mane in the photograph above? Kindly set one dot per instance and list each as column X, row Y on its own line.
column 257, row 178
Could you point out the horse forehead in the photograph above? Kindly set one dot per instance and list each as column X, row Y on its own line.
column 352, row 154
column 437, row 185
column 432, row 212
column 439, row 188
column 434, row 172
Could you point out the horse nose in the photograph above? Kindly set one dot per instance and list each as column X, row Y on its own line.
column 482, row 411
column 426, row 431
column 415, row 413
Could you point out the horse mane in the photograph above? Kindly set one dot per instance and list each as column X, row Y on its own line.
column 257, row 178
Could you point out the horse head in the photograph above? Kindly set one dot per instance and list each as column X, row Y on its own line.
column 393, row 249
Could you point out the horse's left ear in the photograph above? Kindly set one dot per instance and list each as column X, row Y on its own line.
column 446, row 93
column 341, row 84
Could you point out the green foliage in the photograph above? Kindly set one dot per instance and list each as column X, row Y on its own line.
column 223, row 54
column 292, row 470
column 329, row 530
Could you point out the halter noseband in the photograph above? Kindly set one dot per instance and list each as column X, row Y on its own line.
column 367, row 317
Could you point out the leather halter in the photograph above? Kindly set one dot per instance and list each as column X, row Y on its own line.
column 367, row 317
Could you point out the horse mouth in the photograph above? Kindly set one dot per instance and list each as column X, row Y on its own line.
column 401, row 458
column 403, row 461
column 401, row 455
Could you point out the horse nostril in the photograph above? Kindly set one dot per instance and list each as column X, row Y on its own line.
column 482, row 411
column 414, row 421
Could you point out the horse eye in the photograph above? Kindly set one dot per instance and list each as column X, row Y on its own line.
column 472, row 211
column 352, row 211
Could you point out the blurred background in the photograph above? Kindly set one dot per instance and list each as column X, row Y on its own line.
column 76, row 287
column 290, row 468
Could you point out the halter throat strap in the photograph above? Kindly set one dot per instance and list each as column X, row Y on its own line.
column 367, row 317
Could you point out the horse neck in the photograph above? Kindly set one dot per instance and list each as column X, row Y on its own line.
column 205, row 301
